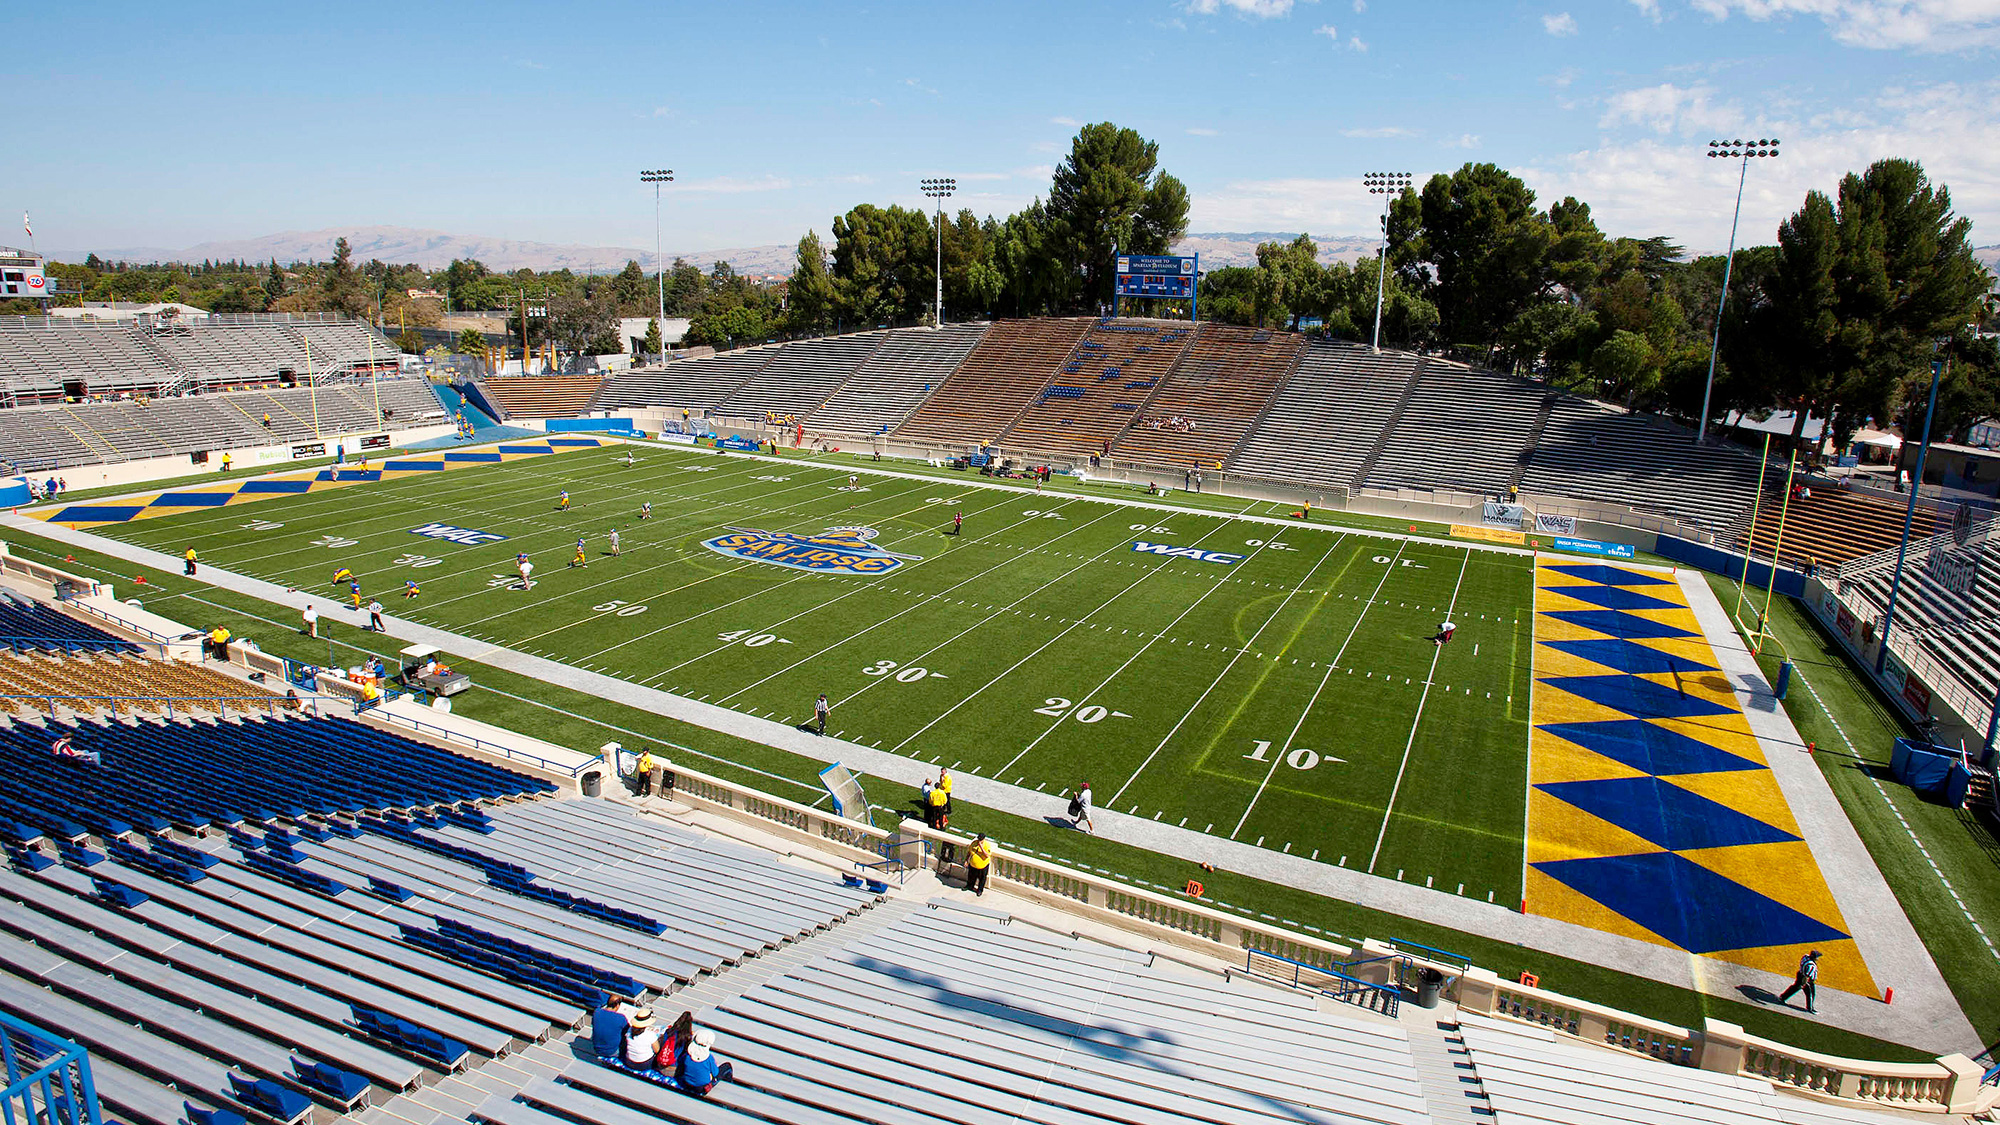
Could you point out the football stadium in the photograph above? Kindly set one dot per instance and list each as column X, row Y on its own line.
column 1131, row 690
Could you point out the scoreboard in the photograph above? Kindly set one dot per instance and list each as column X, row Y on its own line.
column 22, row 275
column 1155, row 275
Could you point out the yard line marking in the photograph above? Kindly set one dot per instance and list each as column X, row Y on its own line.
column 1307, row 710
column 1141, row 651
column 1414, row 723
column 1342, row 538
column 1221, row 523
column 919, row 605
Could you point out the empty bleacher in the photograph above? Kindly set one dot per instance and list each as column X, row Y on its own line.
column 1530, row 1074
column 1324, row 423
column 127, row 684
column 542, row 396
column 28, row 626
column 894, row 380
column 1103, row 388
column 1002, row 376
column 1222, row 385
column 1460, row 430
column 101, row 432
column 107, row 356
column 802, row 376
column 1594, row 452
column 686, row 384
column 1828, row 526
column 38, row 355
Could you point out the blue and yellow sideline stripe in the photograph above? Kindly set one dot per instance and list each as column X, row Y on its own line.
column 139, row 507
column 1652, row 811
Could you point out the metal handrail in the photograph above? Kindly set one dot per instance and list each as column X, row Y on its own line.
column 271, row 703
column 1439, row 955
column 1391, row 998
column 52, row 1088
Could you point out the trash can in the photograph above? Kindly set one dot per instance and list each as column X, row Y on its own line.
column 1430, row 985
column 593, row 784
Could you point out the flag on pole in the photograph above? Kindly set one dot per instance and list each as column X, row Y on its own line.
column 26, row 226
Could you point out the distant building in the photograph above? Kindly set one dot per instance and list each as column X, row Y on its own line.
column 419, row 294
column 126, row 310
column 1984, row 433
column 632, row 330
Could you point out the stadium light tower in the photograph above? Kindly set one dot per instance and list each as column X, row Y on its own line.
column 940, row 189
column 1728, row 150
column 1388, row 185
column 656, row 177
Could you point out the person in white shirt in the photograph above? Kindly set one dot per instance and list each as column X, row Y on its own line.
column 642, row 1041
column 311, row 617
column 1079, row 810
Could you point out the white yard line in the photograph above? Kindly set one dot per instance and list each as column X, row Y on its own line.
column 1247, row 646
column 928, row 599
column 1416, row 722
column 1224, row 521
column 1141, row 651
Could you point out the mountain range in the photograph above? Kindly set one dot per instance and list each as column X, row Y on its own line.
column 434, row 249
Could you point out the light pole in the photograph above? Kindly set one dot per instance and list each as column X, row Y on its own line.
column 940, row 189
column 1724, row 150
column 1388, row 185
column 656, row 177
column 1940, row 367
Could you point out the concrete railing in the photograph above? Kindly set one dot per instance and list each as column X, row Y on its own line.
column 1949, row 1085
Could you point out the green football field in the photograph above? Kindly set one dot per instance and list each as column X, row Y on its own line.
column 1290, row 698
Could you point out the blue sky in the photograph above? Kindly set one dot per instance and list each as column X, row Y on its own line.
column 171, row 124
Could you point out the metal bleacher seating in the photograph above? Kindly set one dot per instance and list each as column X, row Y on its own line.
column 123, row 683
column 955, row 1016
column 28, row 626
column 1103, row 388
column 542, row 396
column 896, row 379
column 1593, row 452
column 1323, row 425
column 1226, row 380
column 1002, row 376
column 685, row 384
column 1831, row 525
column 1529, row 1074
column 104, row 432
column 39, row 356
column 1460, row 429
column 802, row 376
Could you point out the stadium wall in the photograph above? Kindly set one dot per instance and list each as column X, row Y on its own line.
column 151, row 469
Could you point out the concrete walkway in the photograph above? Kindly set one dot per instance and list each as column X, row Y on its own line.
column 1924, row 1015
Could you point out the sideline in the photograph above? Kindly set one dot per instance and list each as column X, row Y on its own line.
column 1925, row 1016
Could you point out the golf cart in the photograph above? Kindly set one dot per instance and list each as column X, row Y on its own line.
column 418, row 657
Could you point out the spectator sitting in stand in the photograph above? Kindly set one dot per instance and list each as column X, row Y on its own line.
column 699, row 1069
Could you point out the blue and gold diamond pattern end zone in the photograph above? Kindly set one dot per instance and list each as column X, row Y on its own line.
column 1652, row 811
column 140, row 507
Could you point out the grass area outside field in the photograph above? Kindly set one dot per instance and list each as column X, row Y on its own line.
column 571, row 718
column 1943, row 864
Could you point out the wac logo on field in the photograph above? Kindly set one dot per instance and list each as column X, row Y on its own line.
column 1173, row 552
column 836, row 550
column 464, row 535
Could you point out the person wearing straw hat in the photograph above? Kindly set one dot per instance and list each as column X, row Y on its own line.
column 642, row 1039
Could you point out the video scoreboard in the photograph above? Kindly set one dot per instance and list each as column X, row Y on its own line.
column 1155, row 275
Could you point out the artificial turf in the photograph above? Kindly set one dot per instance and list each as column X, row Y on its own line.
column 1289, row 698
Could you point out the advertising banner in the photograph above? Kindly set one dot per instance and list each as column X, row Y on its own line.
column 1554, row 525
column 1594, row 547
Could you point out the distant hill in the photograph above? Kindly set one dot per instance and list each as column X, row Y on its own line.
column 1989, row 256
column 434, row 249
column 1233, row 248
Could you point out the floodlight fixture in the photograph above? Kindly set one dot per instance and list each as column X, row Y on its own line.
column 1743, row 152
column 1388, row 185
column 939, row 188
column 656, row 177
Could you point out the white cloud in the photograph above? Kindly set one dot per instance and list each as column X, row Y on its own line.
column 1463, row 140
column 1559, row 24
column 1360, row 6
column 1354, row 42
column 1065, row 122
column 1918, row 25
column 1285, row 204
column 1648, row 8
column 1257, row 9
column 1561, row 79
column 1380, row 131
column 1667, row 185
column 1668, row 108
column 1331, row 32
column 663, row 111
column 1199, row 131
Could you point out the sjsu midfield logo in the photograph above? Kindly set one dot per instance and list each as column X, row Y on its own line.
column 837, row 549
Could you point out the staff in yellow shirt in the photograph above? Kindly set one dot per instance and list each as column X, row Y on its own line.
column 978, row 858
